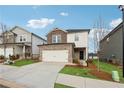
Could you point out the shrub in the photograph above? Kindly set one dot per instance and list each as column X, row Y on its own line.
column 1, row 57
column 14, row 57
column 17, row 56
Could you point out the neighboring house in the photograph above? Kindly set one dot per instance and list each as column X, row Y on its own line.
column 19, row 41
column 111, row 45
column 64, row 46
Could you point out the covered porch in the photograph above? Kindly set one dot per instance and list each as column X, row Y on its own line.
column 21, row 49
column 24, row 50
column 80, row 54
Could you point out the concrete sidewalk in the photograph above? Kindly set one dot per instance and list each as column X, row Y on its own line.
column 81, row 82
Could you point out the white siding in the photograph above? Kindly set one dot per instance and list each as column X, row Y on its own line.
column 20, row 32
column 82, row 42
column 83, row 39
column 0, row 41
column 18, row 50
column 9, row 51
column 36, row 41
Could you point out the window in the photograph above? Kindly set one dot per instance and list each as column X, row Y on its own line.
column 56, row 38
column 22, row 38
column 76, row 37
column 107, row 39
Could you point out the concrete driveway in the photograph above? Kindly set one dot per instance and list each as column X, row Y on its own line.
column 42, row 74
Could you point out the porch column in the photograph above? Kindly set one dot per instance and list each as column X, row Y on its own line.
column 86, row 51
column 24, row 51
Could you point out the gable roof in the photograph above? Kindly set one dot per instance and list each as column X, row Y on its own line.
column 112, row 32
column 19, row 28
column 8, row 32
column 71, row 30
column 55, row 30
column 39, row 37
column 26, row 31
column 77, row 30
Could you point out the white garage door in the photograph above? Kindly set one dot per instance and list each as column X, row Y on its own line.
column 55, row 56
column 9, row 51
column 1, row 51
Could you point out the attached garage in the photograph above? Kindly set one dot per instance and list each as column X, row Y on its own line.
column 55, row 55
column 1, row 51
column 9, row 51
column 57, row 52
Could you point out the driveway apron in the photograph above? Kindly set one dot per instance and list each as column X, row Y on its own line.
column 42, row 74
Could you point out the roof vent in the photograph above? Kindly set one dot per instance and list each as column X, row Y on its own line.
column 56, row 29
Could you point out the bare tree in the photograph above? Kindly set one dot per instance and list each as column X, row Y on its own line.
column 3, row 38
column 100, row 30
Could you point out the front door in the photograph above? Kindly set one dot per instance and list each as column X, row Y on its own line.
column 81, row 55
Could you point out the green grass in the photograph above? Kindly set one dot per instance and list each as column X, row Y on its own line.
column 83, row 72
column 109, row 68
column 61, row 86
column 22, row 62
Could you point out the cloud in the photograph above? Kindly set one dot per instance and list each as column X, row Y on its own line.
column 64, row 14
column 40, row 23
column 115, row 22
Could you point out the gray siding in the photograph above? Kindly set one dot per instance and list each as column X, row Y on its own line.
column 112, row 47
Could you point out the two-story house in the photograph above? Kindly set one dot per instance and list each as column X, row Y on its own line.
column 64, row 46
column 19, row 41
column 111, row 46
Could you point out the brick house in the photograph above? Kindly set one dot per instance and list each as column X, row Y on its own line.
column 64, row 46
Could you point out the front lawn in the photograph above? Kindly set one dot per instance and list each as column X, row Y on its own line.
column 83, row 72
column 23, row 62
column 105, row 72
column 107, row 67
column 61, row 86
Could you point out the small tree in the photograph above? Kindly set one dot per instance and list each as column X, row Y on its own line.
column 3, row 37
column 100, row 31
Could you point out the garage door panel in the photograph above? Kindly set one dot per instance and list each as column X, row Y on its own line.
column 1, row 51
column 55, row 55
column 9, row 51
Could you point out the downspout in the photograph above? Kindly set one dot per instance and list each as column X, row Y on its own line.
column 31, row 46
column 14, row 45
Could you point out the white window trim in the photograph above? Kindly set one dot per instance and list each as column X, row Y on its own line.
column 76, row 37
column 56, row 37
column 107, row 39
column 23, row 37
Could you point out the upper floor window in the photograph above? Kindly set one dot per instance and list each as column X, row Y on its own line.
column 107, row 39
column 76, row 37
column 22, row 38
column 56, row 38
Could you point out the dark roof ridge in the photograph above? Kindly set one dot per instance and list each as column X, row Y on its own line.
column 112, row 32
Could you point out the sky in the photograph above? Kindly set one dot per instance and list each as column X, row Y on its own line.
column 42, row 19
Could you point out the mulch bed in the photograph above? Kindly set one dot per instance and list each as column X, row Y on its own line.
column 99, row 74
column 90, row 66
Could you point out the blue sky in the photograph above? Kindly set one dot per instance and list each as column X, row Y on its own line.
column 41, row 19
